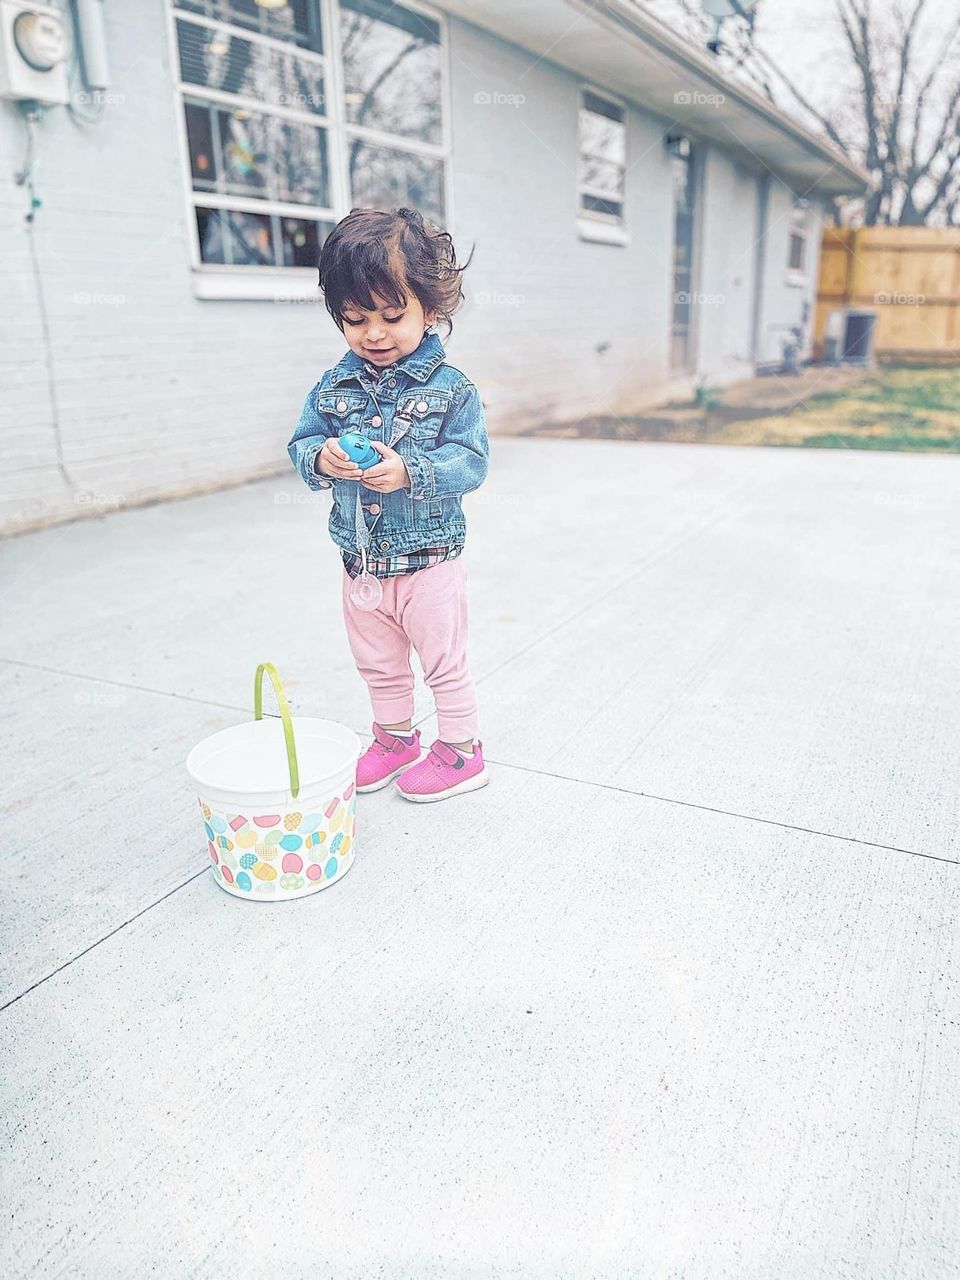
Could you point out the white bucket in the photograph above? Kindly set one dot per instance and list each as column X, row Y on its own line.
column 278, row 800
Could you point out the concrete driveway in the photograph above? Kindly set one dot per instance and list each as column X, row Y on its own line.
column 675, row 995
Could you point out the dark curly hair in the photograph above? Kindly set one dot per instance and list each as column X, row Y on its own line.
column 381, row 251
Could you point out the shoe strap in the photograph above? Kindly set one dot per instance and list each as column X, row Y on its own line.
column 390, row 740
column 446, row 754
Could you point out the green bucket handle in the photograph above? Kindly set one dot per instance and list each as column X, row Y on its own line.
column 284, row 716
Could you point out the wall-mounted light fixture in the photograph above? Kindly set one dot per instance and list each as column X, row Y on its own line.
column 676, row 144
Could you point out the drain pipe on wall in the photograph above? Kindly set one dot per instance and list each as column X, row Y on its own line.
column 759, row 258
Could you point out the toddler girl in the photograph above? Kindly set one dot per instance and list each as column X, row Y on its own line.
column 387, row 278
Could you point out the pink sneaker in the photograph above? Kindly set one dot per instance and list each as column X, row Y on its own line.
column 445, row 771
column 385, row 757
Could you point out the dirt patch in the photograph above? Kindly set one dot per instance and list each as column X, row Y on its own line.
column 897, row 407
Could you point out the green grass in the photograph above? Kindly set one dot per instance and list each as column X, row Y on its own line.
column 907, row 408
column 905, row 441
column 910, row 389
column 911, row 408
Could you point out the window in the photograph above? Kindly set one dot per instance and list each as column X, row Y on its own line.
column 392, row 103
column 296, row 20
column 253, row 88
column 797, row 251
column 275, row 127
column 602, row 158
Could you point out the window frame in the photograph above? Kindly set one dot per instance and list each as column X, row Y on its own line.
column 697, row 160
column 799, row 276
column 278, row 283
column 607, row 228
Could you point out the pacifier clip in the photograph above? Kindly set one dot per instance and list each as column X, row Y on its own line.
column 366, row 591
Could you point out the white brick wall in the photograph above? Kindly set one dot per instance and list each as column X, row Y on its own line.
column 515, row 195
column 158, row 392
column 782, row 300
column 727, row 276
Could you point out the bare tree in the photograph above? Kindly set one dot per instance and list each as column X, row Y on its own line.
column 902, row 123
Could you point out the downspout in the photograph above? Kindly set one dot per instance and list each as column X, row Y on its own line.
column 759, row 258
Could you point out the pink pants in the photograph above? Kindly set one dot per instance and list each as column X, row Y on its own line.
column 428, row 609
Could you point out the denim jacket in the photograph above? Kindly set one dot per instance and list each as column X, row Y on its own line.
column 444, row 449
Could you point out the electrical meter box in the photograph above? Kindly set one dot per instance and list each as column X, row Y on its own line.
column 34, row 47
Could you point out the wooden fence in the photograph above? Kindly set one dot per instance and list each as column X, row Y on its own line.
column 909, row 276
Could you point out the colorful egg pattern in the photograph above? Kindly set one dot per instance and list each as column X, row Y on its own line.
column 262, row 839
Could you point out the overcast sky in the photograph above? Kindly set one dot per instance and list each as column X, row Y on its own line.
column 804, row 37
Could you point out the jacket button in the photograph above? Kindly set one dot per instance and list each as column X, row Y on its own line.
column 341, row 406
column 376, row 421
column 384, row 544
column 423, row 406
column 373, row 508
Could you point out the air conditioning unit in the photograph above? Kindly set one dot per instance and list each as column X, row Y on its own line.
column 849, row 336
column 34, row 47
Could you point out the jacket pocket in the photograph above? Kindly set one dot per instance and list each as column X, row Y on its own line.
column 343, row 408
column 423, row 412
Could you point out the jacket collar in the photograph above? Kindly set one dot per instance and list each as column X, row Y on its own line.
column 419, row 364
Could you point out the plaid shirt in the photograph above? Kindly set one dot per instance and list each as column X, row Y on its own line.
column 393, row 566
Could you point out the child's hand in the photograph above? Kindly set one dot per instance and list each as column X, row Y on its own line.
column 389, row 473
column 337, row 464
